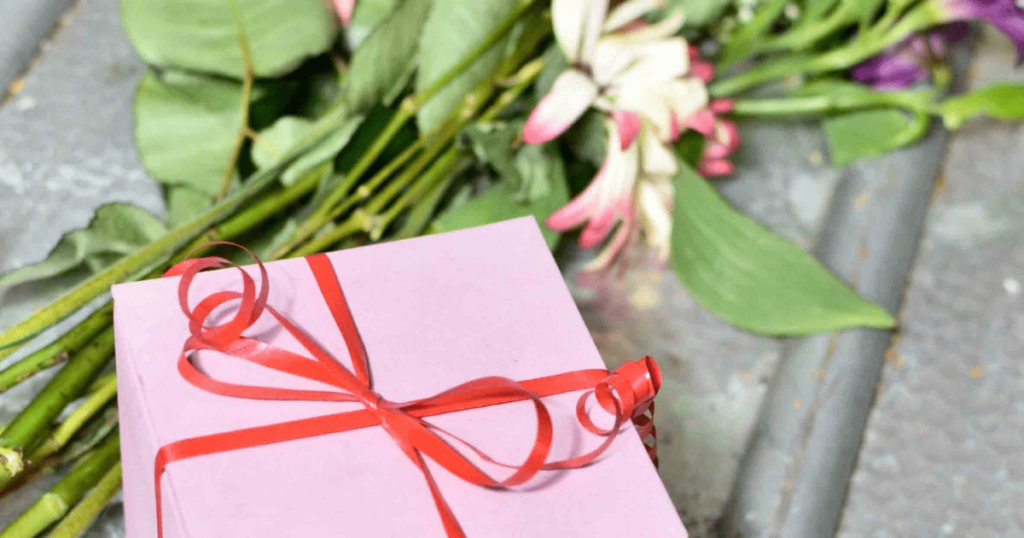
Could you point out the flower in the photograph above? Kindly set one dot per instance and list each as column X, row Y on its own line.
column 722, row 138
column 344, row 9
column 616, row 66
column 651, row 85
column 608, row 199
column 909, row 60
column 1006, row 15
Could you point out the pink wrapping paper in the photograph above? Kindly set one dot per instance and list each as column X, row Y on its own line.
column 433, row 312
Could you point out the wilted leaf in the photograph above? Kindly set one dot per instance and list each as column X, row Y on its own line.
column 117, row 230
column 752, row 277
column 201, row 35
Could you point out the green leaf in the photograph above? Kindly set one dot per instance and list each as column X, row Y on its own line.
column 542, row 169
column 385, row 57
column 117, row 230
column 368, row 14
column 185, row 205
column 1002, row 101
column 185, row 128
column 287, row 131
column 700, row 12
column 453, row 29
column 868, row 133
column 587, row 139
column 752, row 277
column 201, row 35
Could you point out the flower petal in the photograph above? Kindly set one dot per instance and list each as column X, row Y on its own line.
column 629, row 11
column 345, row 9
column 628, row 124
column 655, row 211
column 663, row 29
column 569, row 97
column 662, row 60
column 655, row 157
column 577, row 25
column 714, row 168
column 703, row 122
column 685, row 97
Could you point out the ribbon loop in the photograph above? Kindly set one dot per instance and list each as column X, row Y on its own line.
column 627, row 393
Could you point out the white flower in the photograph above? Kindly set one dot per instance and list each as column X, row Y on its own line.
column 638, row 70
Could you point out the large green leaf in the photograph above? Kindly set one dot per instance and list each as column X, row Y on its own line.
column 752, row 277
column 1003, row 101
column 867, row 133
column 185, row 128
column 385, row 57
column 453, row 29
column 201, row 35
column 116, row 230
column 541, row 170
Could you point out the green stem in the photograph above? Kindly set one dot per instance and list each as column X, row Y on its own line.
column 85, row 513
column 831, row 102
column 266, row 208
column 55, row 503
column 843, row 57
column 248, row 76
column 406, row 111
column 70, row 426
column 31, row 424
column 742, row 43
column 848, row 12
column 165, row 246
column 58, row 351
column 367, row 218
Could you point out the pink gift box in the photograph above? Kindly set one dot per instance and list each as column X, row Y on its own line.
column 432, row 312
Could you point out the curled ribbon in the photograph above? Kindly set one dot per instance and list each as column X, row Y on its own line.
column 627, row 393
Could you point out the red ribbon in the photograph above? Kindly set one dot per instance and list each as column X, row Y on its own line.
column 628, row 393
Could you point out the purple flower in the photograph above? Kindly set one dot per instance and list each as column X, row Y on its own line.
column 1006, row 15
column 909, row 60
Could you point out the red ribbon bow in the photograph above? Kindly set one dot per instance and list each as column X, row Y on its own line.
column 628, row 393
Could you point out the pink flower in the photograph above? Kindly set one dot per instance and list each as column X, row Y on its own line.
column 345, row 9
column 722, row 138
column 608, row 200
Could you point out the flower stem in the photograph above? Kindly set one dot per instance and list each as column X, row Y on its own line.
column 70, row 426
column 854, row 52
column 406, row 111
column 85, row 513
column 55, row 503
column 31, row 424
column 742, row 43
column 58, row 351
column 165, row 246
column 267, row 207
column 832, row 102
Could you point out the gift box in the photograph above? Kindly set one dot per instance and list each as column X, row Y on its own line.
column 430, row 314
